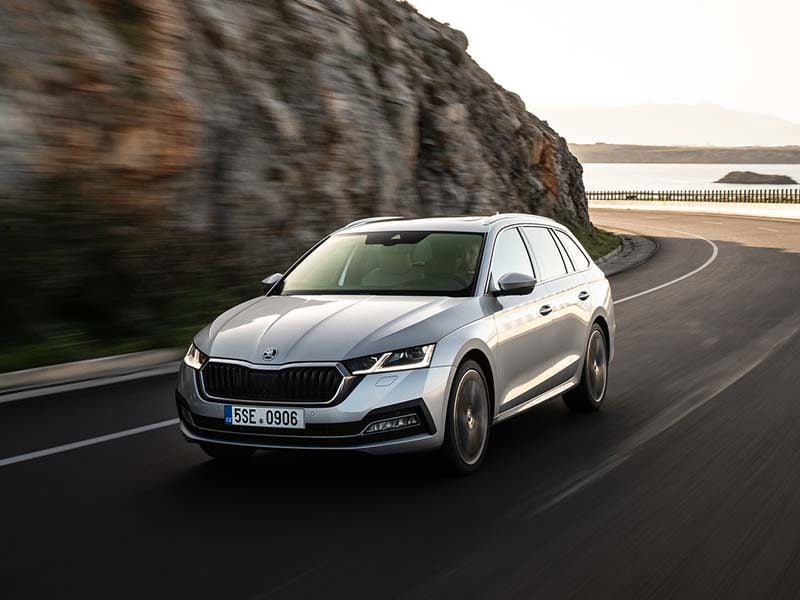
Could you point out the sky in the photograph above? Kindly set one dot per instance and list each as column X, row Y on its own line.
column 736, row 54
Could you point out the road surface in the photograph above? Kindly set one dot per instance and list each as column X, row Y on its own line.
column 686, row 485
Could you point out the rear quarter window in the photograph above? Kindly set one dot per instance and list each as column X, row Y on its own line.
column 576, row 254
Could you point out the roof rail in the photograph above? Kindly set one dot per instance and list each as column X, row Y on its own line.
column 370, row 220
column 500, row 216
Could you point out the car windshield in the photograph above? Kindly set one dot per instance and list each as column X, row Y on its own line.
column 429, row 263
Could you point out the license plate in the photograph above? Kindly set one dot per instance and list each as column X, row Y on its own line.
column 257, row 416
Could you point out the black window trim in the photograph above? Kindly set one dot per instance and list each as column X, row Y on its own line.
column 564, row 254
column 579, row 247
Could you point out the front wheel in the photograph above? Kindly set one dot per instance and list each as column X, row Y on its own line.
column 591, row 391
column 226, row 452
column 468, row 420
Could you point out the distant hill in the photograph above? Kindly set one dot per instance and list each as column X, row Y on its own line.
column 670, row 125
column 625, row 153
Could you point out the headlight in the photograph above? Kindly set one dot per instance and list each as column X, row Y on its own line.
column 194, row 358
column 417, row 357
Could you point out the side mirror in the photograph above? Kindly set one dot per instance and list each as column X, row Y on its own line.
column 515, row 284
column 268, row 283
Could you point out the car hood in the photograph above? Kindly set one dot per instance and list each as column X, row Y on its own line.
column 332, row 328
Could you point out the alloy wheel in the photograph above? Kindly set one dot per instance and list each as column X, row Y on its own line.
column 471, row 416
column 597, row 366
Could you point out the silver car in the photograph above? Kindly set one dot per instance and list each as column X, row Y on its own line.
column 395, row 335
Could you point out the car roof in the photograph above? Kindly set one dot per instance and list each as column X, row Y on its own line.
column 470, row 224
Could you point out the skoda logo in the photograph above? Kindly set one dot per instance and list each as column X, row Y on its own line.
column 270, row 353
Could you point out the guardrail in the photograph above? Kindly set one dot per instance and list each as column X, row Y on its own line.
column 771, row 195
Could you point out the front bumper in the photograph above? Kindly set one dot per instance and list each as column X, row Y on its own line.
column 422, row 392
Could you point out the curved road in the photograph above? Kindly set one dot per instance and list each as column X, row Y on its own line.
column 686, row 485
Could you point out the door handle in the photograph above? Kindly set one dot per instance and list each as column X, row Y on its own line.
column 583, row 295
column 546, row 310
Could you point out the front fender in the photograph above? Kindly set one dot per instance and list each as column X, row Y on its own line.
column 480, row 336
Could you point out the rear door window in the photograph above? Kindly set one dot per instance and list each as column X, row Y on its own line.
column 548, row 257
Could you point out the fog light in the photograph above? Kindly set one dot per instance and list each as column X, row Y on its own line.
column 393, row 423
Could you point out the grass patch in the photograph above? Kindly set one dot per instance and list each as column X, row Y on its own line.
column 598, row 243
column 64, row 349
column 87, row 280
column 71, row 343
column 79, row 345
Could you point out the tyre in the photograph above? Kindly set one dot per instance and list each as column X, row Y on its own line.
column 588, row 396
column 468, row 420
column 226, row 452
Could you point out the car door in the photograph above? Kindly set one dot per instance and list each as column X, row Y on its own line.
column 578, row 291
column 523, row 327
column 565, row 285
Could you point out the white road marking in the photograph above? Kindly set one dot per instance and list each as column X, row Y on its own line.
column 83, row 443
column 714, row 222
column 714, row 253
column 768, row 229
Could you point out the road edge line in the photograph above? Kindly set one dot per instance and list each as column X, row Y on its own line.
column 12, row 460
column 714, row 254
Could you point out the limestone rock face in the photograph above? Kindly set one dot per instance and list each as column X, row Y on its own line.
column 158, row 158
column 279, row 116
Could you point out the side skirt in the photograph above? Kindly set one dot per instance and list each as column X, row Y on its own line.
column 549, row 394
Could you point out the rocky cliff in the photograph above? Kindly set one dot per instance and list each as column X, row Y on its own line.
column 293, row 114
column 260, row 125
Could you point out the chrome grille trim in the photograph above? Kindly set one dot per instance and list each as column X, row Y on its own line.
column 344, row 377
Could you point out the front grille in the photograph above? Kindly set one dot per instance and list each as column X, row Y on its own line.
column 293, row 384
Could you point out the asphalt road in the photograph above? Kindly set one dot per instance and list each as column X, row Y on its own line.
column 686, row 485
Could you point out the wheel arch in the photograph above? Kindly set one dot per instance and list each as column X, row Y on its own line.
column 602, row 319
column 482, row 359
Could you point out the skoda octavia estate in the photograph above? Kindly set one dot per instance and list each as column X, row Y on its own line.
column 394, row 335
